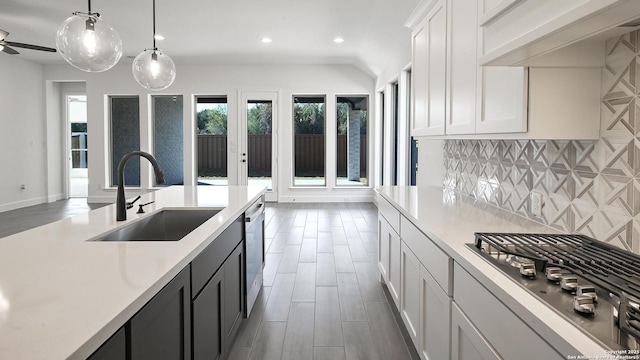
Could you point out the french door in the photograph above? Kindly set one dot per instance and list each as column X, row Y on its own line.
column 258, row 141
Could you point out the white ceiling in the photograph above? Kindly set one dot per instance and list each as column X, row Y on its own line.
column 207, row 31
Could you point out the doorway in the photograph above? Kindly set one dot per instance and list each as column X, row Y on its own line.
column 258, row 141
column 76, row 114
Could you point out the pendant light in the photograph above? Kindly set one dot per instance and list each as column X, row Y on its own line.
column 89, row 43
column 152, row 68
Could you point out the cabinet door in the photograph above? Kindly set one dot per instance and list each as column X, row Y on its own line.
column 233, row 294
column 389, row 258
column 503, row 101
column 394, row 266
column 410, row 292
column 436, row 34
column 113, row 349
column 383, row 247
column 162, row 328
column 208, row 315
column 419, row 81
column 466, row 341
column 435, row 310
column 462, row 72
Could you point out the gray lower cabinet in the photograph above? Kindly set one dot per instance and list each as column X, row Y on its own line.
column 233, row 296
column 218, row 309
column 113, row 349
column 162, row 328
column 196, row 315
column 207, row 320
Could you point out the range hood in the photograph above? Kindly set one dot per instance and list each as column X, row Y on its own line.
column 520, row 33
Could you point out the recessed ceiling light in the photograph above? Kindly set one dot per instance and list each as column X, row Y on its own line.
column 266, row 40
column 159, row 37
column 338, row 40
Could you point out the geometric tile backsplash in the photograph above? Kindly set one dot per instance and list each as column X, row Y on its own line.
column 589, row 187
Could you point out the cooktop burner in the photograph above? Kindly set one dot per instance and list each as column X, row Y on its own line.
column 594, row 285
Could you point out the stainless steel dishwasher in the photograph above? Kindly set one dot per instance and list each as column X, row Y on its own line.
column 254, row 251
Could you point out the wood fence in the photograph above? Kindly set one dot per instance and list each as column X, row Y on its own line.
column 309, row 155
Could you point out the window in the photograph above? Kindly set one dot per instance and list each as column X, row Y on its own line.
column 309, row 140
column 351, row 117
column 413, row 143
column 124, row 116
column 168, row 139
column 394, row 139
column 382, row 136
column 212, row 140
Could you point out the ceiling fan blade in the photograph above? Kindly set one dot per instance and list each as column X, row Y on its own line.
column 31, row 47
column 9, row 50
column 3, row 34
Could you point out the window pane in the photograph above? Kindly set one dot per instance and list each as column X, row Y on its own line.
column 259, row 122
column 125, row 137
column 212, row 140
column 309, row 140
column 352, row 115
column 168, row 140
column 382, row 138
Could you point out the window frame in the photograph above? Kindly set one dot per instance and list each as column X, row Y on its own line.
column 293, row 142
column 368, row 185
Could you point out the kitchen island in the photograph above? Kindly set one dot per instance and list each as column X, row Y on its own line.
column 423, row 232
column 62, row 296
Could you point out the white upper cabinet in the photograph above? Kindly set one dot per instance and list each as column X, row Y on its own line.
column 419, row 82
column 429, row 41
column 453, row 96
column 518, row 31
column 462, row 72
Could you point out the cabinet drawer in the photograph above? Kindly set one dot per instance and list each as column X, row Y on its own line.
column 492, row 319
column 210, row 259
column 437, row 263
column 390, row 213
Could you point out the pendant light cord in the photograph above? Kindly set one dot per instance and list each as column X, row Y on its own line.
column 154, row 25
column 89, row 7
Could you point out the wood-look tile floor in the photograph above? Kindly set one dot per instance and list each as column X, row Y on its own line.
column 322, row 297
column 15, row 221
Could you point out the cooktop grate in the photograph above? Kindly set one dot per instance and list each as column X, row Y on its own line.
column 613, row 268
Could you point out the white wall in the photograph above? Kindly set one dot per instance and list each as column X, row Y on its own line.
column 398, row 63
column 22, row 135
column 229, row 80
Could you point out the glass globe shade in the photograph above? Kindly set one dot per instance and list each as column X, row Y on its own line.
column 88, row 43
column 153, row 69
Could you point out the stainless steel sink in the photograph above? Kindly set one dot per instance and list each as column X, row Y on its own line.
column 165, row 225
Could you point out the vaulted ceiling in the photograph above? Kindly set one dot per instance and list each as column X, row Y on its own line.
column 207, row 31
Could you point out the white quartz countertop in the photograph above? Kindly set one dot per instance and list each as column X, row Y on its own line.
column 451, row 220
column 62, row 296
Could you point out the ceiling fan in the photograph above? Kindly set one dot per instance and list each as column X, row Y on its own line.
column 5, row 45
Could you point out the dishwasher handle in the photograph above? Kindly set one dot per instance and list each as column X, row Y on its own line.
column 250, row 217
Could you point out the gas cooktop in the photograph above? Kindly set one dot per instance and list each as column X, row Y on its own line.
column 594, row 285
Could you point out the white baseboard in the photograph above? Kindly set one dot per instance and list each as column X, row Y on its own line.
column 55, row 197
column 22, row 203
column 325, row 199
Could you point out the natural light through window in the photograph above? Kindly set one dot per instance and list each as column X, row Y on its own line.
column 309, row 140
column 351, row 144
column 211, row 130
